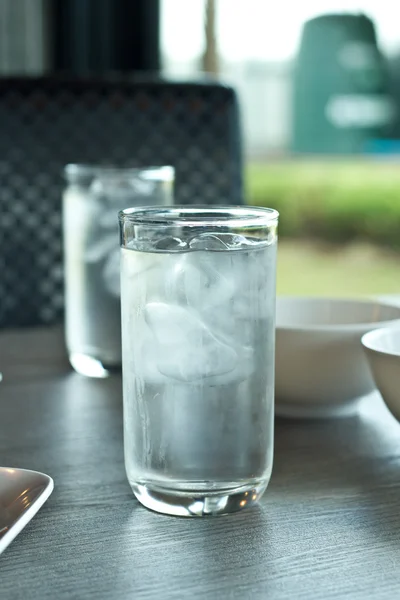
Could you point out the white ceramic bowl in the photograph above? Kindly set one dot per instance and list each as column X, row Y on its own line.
column 382, row 348
column 321, row 369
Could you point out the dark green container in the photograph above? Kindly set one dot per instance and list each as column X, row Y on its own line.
column 340, row 95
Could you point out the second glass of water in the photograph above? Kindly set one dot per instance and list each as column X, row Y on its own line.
column 91, row 202
column 198, row 340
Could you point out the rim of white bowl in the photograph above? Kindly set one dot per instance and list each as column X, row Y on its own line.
column 368, row 340
column 361, row 326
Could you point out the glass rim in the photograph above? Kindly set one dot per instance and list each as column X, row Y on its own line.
column 77, row 170
column 199, row 215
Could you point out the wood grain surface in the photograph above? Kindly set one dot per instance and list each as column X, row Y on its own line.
column 327, row 528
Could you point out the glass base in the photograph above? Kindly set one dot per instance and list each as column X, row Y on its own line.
column 92, row 367
column 171, row 502
column 313, row 411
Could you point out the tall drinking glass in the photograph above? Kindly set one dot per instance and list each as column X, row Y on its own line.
column 91, row 203
column 198, row 340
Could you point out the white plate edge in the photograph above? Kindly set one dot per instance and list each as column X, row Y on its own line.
column 28, row 514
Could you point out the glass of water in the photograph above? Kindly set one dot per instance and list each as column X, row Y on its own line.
column 198, row 341
column 91, row 202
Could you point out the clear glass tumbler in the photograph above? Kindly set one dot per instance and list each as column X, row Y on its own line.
column 91, row 202
column 198, row 342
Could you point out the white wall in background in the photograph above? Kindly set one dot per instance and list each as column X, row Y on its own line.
column 265, row 96
column 265, row 93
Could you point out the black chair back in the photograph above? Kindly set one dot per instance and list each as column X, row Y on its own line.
column 46, row 123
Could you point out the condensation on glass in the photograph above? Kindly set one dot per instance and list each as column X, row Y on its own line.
column 198, row 341
column 91, row 202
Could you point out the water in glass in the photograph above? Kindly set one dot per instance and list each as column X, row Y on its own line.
column 198, row 362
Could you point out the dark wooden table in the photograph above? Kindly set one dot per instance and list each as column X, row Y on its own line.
column 328, row 526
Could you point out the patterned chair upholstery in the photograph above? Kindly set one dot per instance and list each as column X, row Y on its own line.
column 46, row 123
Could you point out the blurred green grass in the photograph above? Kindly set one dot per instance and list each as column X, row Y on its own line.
column 332, row 200
column 339, row 224
column 312, row 268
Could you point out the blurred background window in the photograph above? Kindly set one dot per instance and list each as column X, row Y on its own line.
column 256, row 49
column 319, row 84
